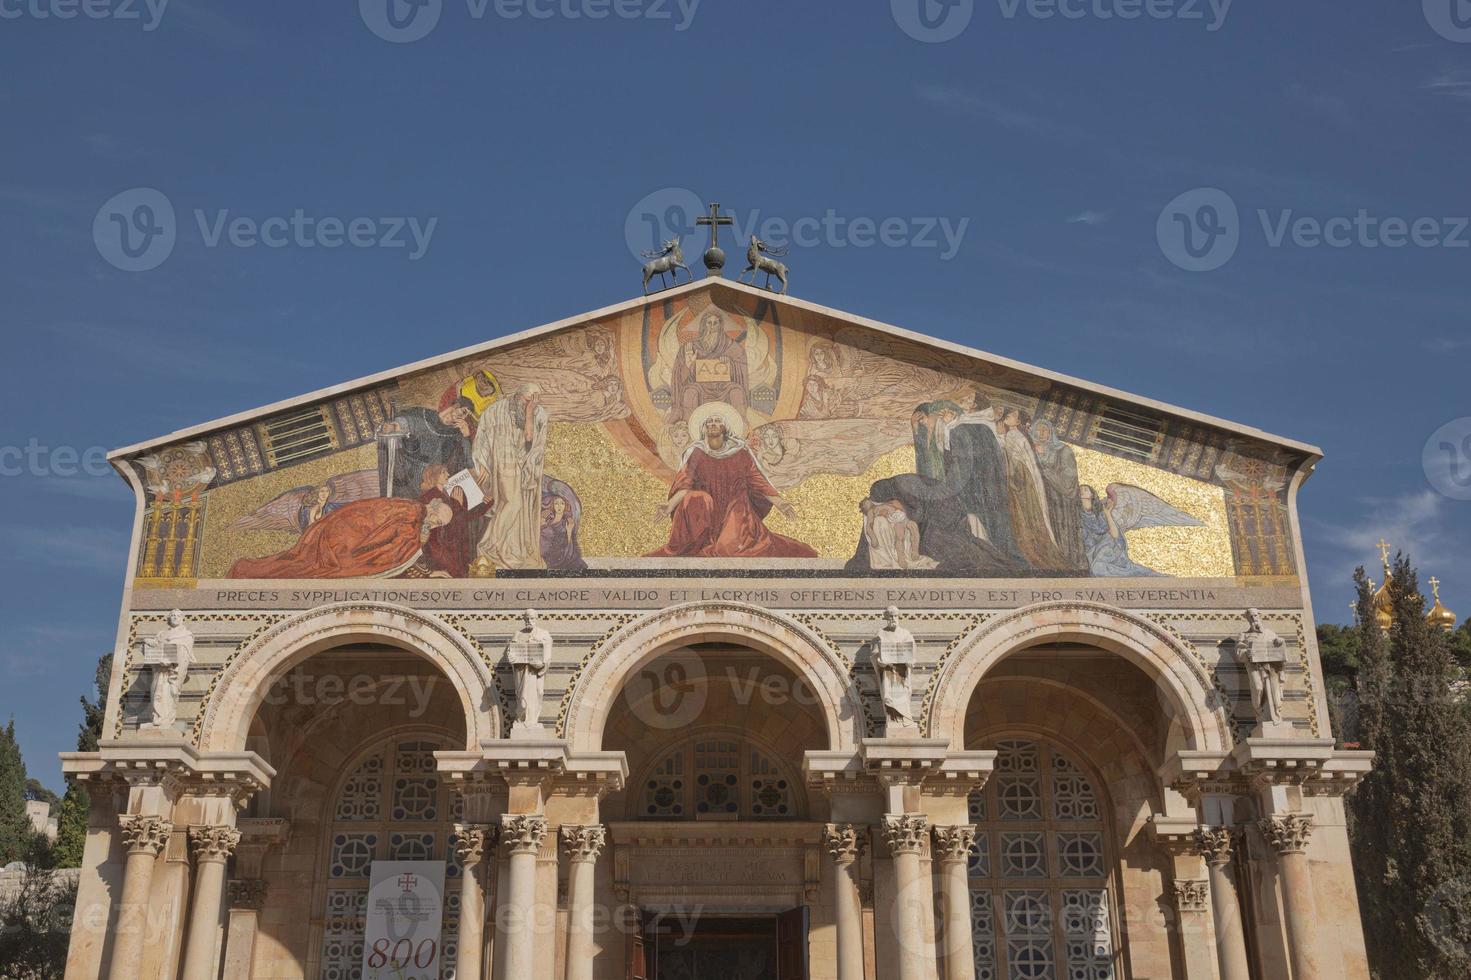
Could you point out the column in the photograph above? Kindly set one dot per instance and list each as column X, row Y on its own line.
column 471, row 841
column 583, row 844
column 212, row 849
column 522, row 833
column 1288, row 836
column 244, row 897
column 1217, row 845
column 952, row 847
column 846, row 843
column 145, row 838
column 905, row 834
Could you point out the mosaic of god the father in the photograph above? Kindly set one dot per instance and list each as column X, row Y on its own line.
column 720, row 497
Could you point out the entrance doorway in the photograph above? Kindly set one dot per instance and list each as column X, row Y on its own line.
column 720, row 946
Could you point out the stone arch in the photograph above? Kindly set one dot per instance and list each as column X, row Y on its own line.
column 244, row 683
column 1185, row 683
column 601, row 679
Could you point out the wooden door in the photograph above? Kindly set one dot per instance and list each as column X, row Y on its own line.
column 636, row 958
column 791, row 945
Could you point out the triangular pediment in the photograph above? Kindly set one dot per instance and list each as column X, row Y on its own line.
column 843, row 447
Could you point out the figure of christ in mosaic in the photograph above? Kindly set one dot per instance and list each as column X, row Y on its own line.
column 720, row 497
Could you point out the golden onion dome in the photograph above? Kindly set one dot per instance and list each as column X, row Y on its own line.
column 1383, row 601
column 1439, row 615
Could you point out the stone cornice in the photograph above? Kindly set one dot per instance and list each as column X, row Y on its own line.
column 879, row 763
column 547, row 763
column 1313, row 764
column 684, row 834
column 173, row 765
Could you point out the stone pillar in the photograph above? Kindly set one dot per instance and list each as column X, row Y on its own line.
column 522, row 833
column 905, row 834
column 1288, row 836
column 845, row 842
column 213, row 846
column 1217, row 846
column 471, row 841
column 244, row 896
column 952, row 847
column 584, row 844
column 145, row 838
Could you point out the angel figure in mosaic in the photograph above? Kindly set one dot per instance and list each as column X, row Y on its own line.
column 1107, row 520
column 300, row 507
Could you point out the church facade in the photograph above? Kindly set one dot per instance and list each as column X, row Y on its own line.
column 717, row 635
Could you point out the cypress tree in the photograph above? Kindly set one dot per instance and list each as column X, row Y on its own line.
column 15, row 827
column 71, row 814
column 1413, row 813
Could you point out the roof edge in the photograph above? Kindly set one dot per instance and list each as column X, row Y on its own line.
column 238, row 418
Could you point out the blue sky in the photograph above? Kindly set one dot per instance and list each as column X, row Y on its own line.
column 531, row 143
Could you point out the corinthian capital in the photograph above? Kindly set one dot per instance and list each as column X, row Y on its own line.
column 213, row 843
column 905, row 832
column 1192, row 896
column 1215, row 844
column 846, row 842
column 145, row 834
column 953, row 844
column 584, row 843
column 1287, row 834
column 471, row 841
column 523, row 833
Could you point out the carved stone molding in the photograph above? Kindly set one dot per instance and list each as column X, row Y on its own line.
column 212, row 843
column 1216, row 845
column 523, row 833
column 1191, row 895
column 145, row 835
column 472, row 840
column 846, row 842
column 1287, row 834
column 246, row 893
column 953, row 844
column 905, row 833
column 584, row 843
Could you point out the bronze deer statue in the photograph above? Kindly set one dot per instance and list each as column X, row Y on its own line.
column 757, row 261
column 669, row 259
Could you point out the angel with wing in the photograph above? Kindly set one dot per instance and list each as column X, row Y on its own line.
column 1108, row 519
column 300, row 507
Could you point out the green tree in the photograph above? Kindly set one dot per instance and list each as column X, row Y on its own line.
column 1460, row 642
column 1338, row 650
column 71, row 814
column 35, row 918
column 1412, row 814
column 15, row 826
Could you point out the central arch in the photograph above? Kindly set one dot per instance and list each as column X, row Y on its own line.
column 246, row 679
column 602, row 678
column 1184, row 681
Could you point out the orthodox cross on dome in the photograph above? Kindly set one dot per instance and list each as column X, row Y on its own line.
column 1383, row 547
column 714, row 257
column 1435, row 587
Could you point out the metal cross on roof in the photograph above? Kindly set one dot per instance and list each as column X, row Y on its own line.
column 714, row 220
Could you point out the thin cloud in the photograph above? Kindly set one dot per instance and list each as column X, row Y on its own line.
column 1452, row 83
column 1089, row 218
column 1007, row 117
column 1329, row 107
